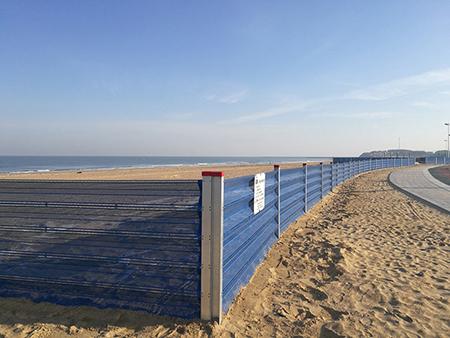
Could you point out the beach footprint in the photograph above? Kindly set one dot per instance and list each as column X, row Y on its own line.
column 316, row 293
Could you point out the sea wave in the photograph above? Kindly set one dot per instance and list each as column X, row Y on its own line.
column 24, row 165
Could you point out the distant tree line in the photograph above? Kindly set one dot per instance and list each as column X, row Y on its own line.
column 403, row 153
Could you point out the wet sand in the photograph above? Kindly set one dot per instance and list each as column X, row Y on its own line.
column 367, row 261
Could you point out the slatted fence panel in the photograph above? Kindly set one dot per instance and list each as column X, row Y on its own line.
column 133, row 245
column 314, row 185
column 247, row 237
column 327, row 178
column 292, row 195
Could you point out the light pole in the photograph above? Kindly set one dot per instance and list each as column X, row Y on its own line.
column 448, row 138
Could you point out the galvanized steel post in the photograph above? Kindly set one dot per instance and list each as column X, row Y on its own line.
column 305, row 171
column 212, row 245
column 276, row 167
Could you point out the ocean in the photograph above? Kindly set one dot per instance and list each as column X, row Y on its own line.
column 53, row 163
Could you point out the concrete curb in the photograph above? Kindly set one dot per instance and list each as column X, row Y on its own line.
column 417, row 197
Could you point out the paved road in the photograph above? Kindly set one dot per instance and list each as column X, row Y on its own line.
column 417, row 181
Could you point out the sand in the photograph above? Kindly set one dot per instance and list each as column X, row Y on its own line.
column 367, row 261
column 166, row 173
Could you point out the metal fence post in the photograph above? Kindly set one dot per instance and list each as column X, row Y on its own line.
column 276, row 167
column 321, row 180
column 212, row 245
column 305, row 170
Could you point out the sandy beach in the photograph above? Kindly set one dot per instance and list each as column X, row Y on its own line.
column 157, row 173
column 366, row 261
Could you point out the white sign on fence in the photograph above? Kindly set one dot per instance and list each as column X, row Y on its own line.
column 259, row 200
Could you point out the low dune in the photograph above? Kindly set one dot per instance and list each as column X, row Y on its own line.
column 367, row 261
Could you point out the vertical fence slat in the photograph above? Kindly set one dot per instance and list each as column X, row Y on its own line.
column 321, row 180
column 305, row 166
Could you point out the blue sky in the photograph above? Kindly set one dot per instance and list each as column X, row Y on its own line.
column 223, row 77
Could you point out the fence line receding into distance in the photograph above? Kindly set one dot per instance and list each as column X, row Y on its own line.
column 177, row 248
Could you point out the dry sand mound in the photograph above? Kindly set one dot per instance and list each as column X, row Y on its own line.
column 368, row 261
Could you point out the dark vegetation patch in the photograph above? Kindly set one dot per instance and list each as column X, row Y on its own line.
column 441, row 173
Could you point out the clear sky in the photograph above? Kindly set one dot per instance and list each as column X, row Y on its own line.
column 223, row 77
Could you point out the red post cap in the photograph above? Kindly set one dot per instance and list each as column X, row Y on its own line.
column 213, row 173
